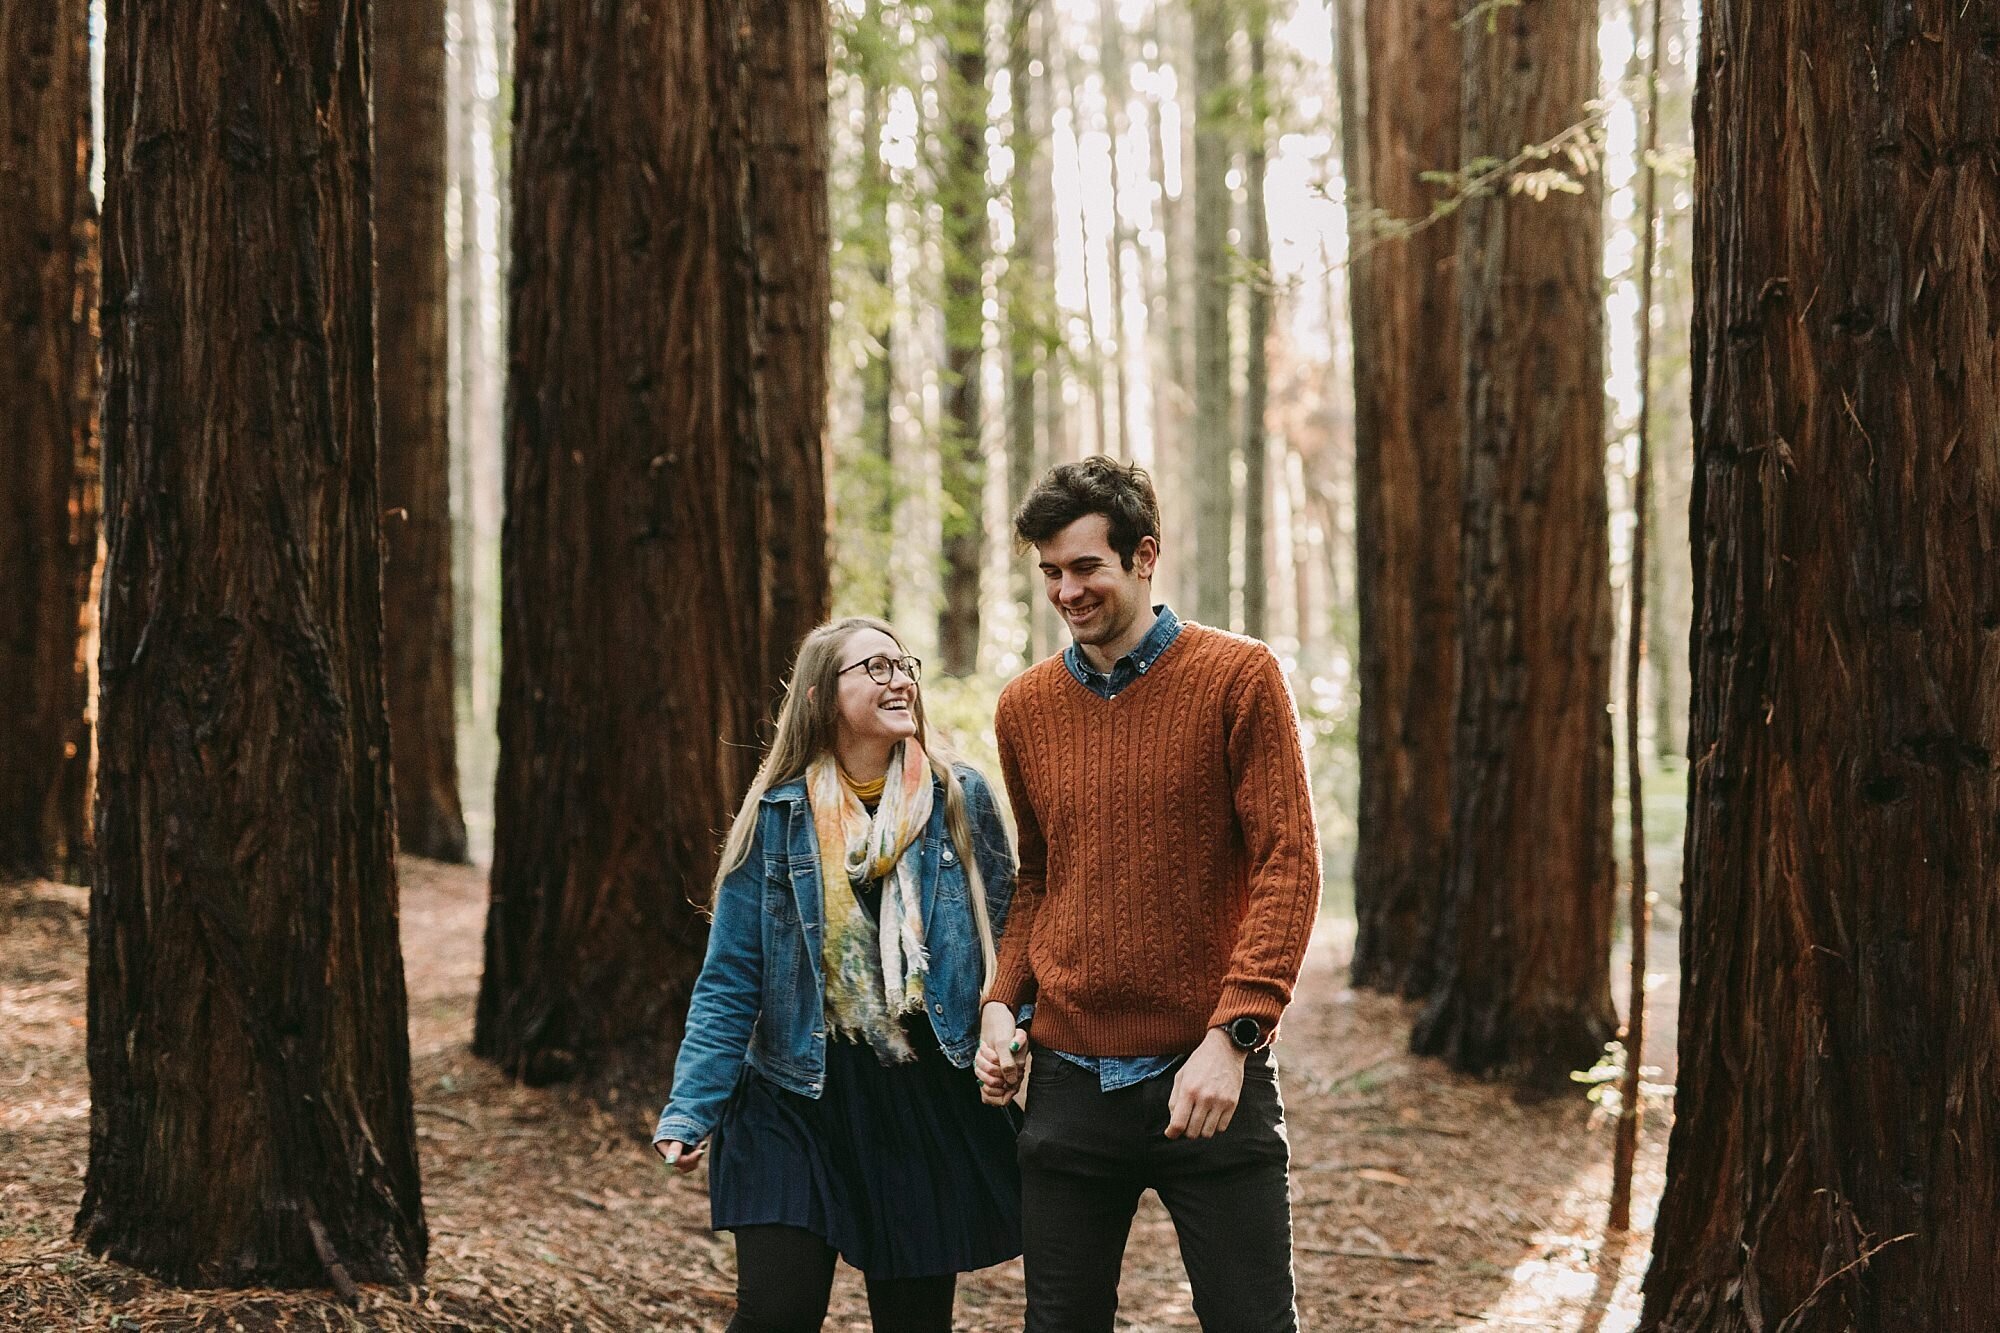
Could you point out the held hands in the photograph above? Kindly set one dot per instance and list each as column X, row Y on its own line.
column 680, row 1156
column 999, row 1064
column 1206, row 1089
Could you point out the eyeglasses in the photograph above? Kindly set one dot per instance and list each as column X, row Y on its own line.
column 882, row 668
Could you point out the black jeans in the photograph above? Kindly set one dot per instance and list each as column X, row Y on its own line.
column 1086, row 1157
column 784, row 1277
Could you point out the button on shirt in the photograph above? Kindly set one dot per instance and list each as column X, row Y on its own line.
column 1114, row 1073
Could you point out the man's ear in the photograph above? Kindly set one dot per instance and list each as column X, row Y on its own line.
column 1145, row 555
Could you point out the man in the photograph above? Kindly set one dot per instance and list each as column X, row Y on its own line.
column 1169, row 877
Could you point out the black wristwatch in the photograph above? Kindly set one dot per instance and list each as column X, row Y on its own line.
column 1245, row 1032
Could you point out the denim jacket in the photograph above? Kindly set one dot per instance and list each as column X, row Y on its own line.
column 761, row 996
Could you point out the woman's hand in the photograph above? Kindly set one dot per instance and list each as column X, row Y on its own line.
column 998, row 1063
column 680, row 1156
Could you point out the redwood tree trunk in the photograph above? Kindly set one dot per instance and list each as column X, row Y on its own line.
column 48, row 380
column 1212, row 447
column 639, row 599
column 1523, row 964
column 250, row 1116
column 1256, row 353
column 416, row 429
column 961, row 455
column 792, row 261
column 1407, row 433
column 1833, row 1163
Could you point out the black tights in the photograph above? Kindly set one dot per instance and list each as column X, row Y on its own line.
column 784, row 1277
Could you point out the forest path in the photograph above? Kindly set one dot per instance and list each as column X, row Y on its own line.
column 546, row 1213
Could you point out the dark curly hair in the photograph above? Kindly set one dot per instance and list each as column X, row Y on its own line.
column 1122, row 492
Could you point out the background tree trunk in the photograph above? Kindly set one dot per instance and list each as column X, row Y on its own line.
column 1833, row 1162
column 1523, row 981
column 249, row 1060
column 1212, row 446
column 1403, row 298
column 791, row 251
column 48, row 379
column 1257, row 362
column 411, row 316
column 961, row 452
column 878, row 374
column 1026, row 320
column 1172, row 373
column 1117, row 76
column 631, row 693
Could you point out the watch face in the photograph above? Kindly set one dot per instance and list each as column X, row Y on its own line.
column 1245, row 1032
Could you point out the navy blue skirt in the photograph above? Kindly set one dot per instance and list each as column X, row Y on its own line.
column 900, row 1168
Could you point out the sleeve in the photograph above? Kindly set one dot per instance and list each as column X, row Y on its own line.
column 1014, row 978
column 1273, row 799
column 727, row 1000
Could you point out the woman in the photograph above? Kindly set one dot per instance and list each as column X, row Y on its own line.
column 828, row 1039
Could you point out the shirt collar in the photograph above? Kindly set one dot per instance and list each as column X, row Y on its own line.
column 1158, row 639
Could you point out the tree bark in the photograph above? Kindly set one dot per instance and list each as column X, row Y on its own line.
column 1257, row 364
column 1403, row 294
column 962, row 455
column 48, row 379
column 1833, row 1160
column 876, row 525
column 1212, row 446
column 1171, row 379
column 791, row 248
column 631, row 693
column 1523, row 964
column 1117, row 96
column 1027, row 335
column 411, row 315
column 249, row 1059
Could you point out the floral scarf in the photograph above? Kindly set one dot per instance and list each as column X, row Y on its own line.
column 874, row 969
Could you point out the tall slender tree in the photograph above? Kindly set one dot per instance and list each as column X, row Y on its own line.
column 250, row 1115
column 1523, row 985
column 1172, row 375
column 1213, row 446
column 1027, row 315
column 1403, row 296
column 411, row 318
column 1117, row 98
column 789, row 257
column 1257, row 334
column 48, row 378
column 640, row 621
column 872, row 54
column 961, row 450
column 1833, row 1163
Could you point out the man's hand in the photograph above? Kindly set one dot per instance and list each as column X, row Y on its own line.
column 680, row 1156
column 1206, row 1089
column 998, row 1063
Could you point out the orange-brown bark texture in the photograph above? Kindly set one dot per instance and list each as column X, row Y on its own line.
column 250, row 1117
column 1833, row 1163
column 1403, row 287
column 646, row 428
column 1523, row 983
column 48, row 380
column 416, row 438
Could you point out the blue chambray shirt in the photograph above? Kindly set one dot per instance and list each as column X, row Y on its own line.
column 1114, row 1073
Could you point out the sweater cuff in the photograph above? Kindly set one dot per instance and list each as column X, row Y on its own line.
column 1240, row 999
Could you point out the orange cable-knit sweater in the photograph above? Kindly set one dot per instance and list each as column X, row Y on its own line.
column 1169, row 864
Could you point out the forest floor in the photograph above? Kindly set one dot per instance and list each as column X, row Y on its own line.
column 1421, row 1200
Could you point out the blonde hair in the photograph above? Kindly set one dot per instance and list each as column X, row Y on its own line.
column 808, row 722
